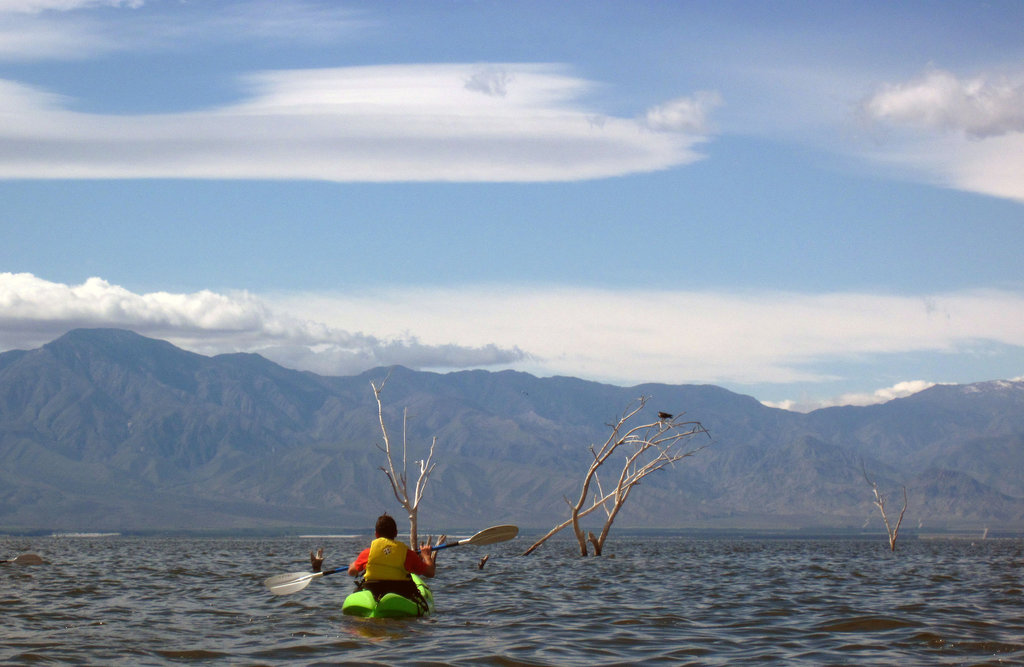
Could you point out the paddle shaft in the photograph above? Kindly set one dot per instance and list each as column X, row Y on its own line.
column 286, row 584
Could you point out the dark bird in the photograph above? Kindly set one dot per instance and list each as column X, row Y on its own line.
column 664, row 415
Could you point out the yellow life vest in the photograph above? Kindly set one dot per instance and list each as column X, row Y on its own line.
column 386, row 561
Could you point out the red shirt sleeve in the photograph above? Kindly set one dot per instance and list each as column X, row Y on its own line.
column 414, row 562
column 361, row 559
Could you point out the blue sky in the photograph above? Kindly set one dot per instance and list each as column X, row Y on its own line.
column 808, row 202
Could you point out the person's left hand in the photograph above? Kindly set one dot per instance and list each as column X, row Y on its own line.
column 317, row 559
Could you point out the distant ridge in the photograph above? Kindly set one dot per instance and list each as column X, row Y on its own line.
column 103, row 430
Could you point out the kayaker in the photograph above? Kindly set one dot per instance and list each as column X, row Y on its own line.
column 387, row 562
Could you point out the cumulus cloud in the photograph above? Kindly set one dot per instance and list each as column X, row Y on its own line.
column 620, row 336
column 490, row 82
column 898, row 390
column 628, row 337
column 685, row 114
column 371, row 124
column 960, row 132
column 981, row 106
column 34, row 311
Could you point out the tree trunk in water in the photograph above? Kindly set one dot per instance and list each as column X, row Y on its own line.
column 648, row 447
column 398, row 476
column 581, row 539
column 413, row 533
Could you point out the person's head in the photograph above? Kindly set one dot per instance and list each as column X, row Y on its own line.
column 386, row 527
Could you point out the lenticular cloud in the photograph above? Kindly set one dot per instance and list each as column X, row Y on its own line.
column 505, row 122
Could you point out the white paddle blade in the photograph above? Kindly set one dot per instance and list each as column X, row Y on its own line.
column 494, row 534
column 490, row 535
column 25, row 559
column 286, row 584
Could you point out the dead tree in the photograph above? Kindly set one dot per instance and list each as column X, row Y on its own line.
column 647, row 448
column 397, row 475
column 891, row 531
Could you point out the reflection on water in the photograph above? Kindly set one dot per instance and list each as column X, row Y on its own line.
column 127, row 600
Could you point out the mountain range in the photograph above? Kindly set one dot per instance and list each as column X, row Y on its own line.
column 106, row 430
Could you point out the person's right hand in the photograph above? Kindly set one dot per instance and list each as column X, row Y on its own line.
column 427, row 553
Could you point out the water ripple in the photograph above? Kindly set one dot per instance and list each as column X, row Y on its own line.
column 158, row 601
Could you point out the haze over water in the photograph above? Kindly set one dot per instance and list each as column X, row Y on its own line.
column 673, row 600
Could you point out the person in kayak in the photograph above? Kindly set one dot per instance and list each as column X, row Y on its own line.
column 387, row 563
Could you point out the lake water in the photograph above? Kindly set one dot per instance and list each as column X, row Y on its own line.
column 160, row 601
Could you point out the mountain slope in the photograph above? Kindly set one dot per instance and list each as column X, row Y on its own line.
column 108, row 430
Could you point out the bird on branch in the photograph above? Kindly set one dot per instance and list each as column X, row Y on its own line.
column 664, row 415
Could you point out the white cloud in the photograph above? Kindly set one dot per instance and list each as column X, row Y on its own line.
column 625, row 337
column 64, row 29
column 36, row 6
column 370, row 124
column 898, row 390
column 981, row 106
column 34, row 311
column 490, row 81
column 963, row 133
column 637, row 336
column 685, row 114
column 74, row 30
column 26, row 38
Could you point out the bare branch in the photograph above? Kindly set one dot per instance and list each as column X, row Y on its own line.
column 394, row 487
column 398, row 478
column 891, row 532
column 426, row 467
column 896, row 530
column 648, row 448
column 597, row 504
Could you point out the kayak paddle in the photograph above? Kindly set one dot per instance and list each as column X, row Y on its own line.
column 491, row 535
column 286, row 584
column 24, row 559
column 293, row 582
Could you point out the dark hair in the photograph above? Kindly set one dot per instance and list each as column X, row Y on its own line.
column 386, row 527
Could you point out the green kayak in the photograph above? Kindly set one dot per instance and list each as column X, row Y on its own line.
column 391, row 605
